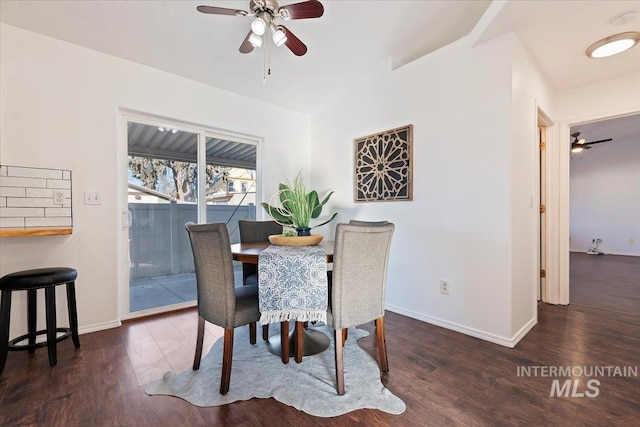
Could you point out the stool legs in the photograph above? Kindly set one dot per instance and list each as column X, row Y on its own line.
column 52, row 327
column 32, row 310
column 73, row 313
column 5, row 313
column 50, row 303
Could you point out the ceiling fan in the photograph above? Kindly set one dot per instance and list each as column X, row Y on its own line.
column 265, row 13
column 577, row 145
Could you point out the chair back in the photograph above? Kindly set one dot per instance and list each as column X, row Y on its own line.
column 358, row 222
column 214, row 272
column 257, row 231
column 252, row 232
column 360, row 258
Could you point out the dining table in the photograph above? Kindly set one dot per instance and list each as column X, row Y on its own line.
column 314, row 342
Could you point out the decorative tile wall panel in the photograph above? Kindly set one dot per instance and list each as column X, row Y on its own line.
column 27, row 197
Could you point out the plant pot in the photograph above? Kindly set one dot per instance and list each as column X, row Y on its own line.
column 304, row 231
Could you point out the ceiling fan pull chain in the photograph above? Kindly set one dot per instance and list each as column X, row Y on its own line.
column 266, row 71
column 269, row 58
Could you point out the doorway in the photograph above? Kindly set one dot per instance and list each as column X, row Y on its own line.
column 604, row 176
column 179, row 173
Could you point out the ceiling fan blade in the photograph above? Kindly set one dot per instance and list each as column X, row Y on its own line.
column 221, row 11
column 293, row 43
column 578, row 147
column 303, row 10
column 246, row 46
column 598, row 142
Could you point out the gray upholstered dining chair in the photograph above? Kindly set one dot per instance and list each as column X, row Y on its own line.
column 219, row 301
column 360, row 258
column 252, row 232
column 330, row 272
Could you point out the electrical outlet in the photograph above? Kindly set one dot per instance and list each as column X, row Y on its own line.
column 58, row 197
column 632, row 241
column 444, row 287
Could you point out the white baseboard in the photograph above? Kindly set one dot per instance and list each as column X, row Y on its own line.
column 476, row 333
column 605, row 253
column 99, row 327
column 621, row 253
column 524, row 331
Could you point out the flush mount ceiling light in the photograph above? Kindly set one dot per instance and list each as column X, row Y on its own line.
column 613, row 45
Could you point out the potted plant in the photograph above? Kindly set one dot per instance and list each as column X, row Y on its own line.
column 297, row 207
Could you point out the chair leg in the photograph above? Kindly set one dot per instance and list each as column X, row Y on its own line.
column 382, row 345
column 227, row 357
column 252, row 333
column 339, row 362
column 199, row 341
column 284, row 341
column 73, row 313
column 50, row 309
column 265, row 332
column 32, row 309
column 5, row 315
column 299, row 339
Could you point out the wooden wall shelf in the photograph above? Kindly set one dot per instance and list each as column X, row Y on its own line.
column 20, row 232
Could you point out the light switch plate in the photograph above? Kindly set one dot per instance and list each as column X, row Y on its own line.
column 92, row 198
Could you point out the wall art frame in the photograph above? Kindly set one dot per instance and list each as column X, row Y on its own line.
column 383, row 166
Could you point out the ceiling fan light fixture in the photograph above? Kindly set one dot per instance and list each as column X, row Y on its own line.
column 255, row 40
column 613, row 45
column 576, row 149
column 259, row 25
column 279, row 37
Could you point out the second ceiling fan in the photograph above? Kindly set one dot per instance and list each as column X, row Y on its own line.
column 265, row 12
column 578, row 145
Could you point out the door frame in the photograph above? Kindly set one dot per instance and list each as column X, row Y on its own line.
column 122, row 211
column 548, row 126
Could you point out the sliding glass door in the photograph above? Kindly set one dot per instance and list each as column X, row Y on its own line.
column 178, row 174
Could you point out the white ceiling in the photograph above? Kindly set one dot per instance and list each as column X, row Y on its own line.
column 350, row 39
column 345, row 43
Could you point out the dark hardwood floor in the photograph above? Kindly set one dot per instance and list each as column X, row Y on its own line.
column 607, row 282
column 445, row 378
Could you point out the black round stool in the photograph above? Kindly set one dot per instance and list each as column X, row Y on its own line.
column 31, row 281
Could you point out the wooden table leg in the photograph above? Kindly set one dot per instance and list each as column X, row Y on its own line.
column 299, row 341
column 284, row 341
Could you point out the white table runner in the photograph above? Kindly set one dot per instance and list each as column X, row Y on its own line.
column 293, row 284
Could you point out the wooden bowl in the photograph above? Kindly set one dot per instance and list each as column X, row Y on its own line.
column 280, row 240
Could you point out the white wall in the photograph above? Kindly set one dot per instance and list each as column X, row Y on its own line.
column 59, row 108
column 460, row 225
column 606, row 99
column 605, row 197
column 529, row 92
